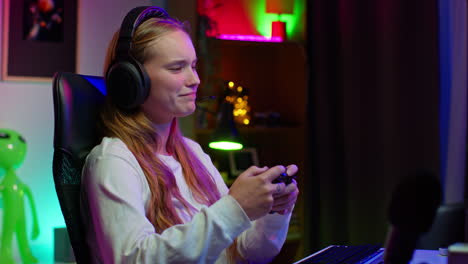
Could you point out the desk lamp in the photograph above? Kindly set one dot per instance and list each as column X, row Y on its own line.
column 278, row 28
column 225, row 136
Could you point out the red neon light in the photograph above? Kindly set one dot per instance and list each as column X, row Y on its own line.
column 250, row 38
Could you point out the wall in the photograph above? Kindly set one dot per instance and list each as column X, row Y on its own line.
column 249, row 17
column 27, row 107
column 453, row 65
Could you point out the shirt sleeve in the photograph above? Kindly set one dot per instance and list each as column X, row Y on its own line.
column 112, row 194
column 265, row 238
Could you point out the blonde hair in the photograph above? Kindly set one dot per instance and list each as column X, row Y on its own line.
column 135, row 129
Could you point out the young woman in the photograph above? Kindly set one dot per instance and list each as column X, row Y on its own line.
column 150, row 195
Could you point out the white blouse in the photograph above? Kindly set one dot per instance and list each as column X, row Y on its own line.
column 115, row 196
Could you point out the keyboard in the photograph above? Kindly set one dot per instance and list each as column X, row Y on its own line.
column 363, row 254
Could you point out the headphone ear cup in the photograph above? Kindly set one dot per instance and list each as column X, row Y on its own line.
column 128, row 84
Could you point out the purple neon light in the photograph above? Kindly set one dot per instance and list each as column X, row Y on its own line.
column 250, row 38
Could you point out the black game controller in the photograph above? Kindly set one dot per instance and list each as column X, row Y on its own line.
column 285, row 178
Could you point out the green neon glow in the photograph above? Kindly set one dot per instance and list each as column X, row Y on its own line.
column 263, row 20
column 225, row 145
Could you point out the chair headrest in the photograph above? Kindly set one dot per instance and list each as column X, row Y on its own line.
column 77, row 101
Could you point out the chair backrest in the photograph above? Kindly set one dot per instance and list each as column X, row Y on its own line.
column 448, row 227
column 77, row 100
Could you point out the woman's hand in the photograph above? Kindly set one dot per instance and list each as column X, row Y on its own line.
column 285, row 200
column 254, row 191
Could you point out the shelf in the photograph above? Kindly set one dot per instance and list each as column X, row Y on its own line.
column 253, row 129
column 276, row 79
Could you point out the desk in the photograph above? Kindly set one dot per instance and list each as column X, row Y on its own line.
column 420, row 256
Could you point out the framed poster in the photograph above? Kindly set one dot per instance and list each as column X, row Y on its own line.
column 39, row 38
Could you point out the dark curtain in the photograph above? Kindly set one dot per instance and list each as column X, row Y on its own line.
column 373, row 111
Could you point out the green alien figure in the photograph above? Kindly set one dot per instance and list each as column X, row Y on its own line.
column 12, row 191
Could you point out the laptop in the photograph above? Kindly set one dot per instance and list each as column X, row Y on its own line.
column 336, row 254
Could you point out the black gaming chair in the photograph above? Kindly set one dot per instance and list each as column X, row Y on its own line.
column 77, row 99
column 448, row 227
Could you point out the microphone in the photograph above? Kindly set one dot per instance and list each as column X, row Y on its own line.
column 411, row 211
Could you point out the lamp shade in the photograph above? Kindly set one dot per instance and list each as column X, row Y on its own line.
column 226, row 136
column 280, row 6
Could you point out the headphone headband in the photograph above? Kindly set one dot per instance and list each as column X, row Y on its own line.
column 132, row 20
